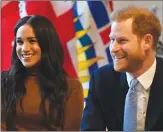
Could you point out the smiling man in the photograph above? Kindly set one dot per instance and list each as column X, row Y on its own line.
column 126, row 95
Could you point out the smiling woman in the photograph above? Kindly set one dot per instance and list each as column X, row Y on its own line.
column 28, row 49
column 37, row 94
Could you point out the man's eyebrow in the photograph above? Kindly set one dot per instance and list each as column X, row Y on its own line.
column 122, row 37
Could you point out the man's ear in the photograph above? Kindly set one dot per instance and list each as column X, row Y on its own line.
column 148, row 41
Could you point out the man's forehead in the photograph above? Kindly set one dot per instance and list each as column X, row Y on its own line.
column 121, row 27
column 123, row 22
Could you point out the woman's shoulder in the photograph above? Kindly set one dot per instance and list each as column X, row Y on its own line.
column 69, row 78
column 4, row 75
column 72, row 80
column 73, row 83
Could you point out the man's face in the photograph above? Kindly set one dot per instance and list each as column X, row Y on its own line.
column 126, row 50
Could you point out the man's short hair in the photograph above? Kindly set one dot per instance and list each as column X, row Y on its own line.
column 144, row 21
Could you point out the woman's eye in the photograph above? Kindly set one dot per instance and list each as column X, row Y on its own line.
column 33, row 41
column 19, row 42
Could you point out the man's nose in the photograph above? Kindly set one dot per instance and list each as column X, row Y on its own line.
column 114, row 47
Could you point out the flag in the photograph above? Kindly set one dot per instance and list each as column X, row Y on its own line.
column 45, row 8
column 92, row 26
column 9, row 15
column 83, row 28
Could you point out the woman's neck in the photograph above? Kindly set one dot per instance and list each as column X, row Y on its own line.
column 31, row 71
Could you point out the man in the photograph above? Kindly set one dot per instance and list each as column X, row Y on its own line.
column 134, row 36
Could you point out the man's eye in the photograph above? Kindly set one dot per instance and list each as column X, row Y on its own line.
column 122, row 41
column 112, row 40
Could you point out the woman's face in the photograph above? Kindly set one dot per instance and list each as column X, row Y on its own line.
column 27, row 46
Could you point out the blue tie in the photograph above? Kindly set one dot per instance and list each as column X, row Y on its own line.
column 130, row 111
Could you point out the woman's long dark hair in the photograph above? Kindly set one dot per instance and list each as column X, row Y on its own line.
column 50, row 73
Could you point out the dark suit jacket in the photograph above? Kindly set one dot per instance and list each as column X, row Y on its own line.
column 106, row 99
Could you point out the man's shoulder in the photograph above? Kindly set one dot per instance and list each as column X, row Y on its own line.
column 107, row 67
column 159, row 60
column 159, row 64
column 108, row 73
column 106, row 70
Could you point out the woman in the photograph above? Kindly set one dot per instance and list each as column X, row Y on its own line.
column 36, row 92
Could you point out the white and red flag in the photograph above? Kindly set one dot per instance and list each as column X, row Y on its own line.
column 83, row 27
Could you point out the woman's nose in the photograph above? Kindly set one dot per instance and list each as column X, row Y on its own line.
column 26, row 47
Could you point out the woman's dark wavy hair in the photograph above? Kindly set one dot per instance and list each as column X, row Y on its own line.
column 50, row 73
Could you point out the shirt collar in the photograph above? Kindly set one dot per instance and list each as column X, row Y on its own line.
column 146, row 78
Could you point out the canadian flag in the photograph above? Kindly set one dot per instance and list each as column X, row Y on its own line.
column 10, row 15
column 83, row 28
column 61, row 15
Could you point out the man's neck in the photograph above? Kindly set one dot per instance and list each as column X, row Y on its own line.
column 144, row 67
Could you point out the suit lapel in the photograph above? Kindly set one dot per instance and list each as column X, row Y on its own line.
column 121, row 95
column 155, row 105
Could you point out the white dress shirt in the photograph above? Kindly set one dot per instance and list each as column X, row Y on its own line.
column 146, row 80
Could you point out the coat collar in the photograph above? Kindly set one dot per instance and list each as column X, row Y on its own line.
column 155, row 105
column 121, row 95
